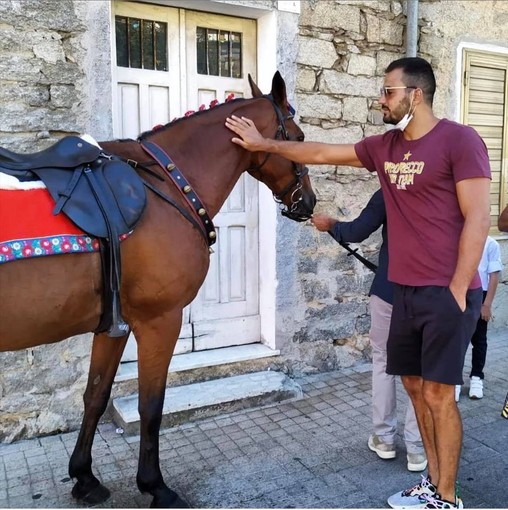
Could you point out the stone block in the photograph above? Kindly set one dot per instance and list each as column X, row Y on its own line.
column 347, row 134
column 60, row 72
column 306, row 80
column 375, row 128
column 32, row 95
column 349, row 285
column 63, row 96
column 16, row 68
column 355, row 109
column 314, row 290
column 307, row 265
column 371, row 5
column 17, row 119
column 319, row 106
column 361, row 65
column 384, row 58
column 382, row 30
column 316, row 53
column 50, row 50
column 52, row 15
column 325, row 191
column 332, row 15
column 333, row 82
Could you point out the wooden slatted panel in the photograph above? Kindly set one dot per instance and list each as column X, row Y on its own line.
column 485, row 109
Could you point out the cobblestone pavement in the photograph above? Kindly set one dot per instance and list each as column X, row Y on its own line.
column 311, row 453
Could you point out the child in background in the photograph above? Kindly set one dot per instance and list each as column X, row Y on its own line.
column 490, row 269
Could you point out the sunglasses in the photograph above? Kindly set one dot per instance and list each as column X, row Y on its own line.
column 388, row 91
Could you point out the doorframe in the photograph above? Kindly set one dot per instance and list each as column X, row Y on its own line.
column 266, row 64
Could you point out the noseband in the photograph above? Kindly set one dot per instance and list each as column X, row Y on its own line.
column 300, row 171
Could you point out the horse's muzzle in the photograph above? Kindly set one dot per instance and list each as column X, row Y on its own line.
column 296, row 216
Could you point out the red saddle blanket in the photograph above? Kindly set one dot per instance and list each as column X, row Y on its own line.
column 28, row 227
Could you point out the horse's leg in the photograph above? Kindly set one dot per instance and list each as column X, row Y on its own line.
column 156, row 341
column 106, row 354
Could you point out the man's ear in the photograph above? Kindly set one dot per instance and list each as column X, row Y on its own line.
column 418, row 96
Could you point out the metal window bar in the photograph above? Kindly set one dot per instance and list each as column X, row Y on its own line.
column 207, row 49
column 141, row 41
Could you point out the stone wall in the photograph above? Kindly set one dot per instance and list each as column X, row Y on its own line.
column 344, row 47
column 55, row 79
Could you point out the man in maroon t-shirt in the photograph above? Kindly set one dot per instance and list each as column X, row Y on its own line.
column 435, row 177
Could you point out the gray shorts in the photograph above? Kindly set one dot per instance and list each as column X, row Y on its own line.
column 429, row 333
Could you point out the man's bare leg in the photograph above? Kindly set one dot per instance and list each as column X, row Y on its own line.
column 414, row 387
column 440, row 399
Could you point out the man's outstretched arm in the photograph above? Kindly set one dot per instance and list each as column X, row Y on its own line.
column 301, row 152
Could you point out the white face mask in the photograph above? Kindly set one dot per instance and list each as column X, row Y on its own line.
column 403, row 123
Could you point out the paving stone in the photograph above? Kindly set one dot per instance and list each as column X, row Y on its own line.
column 309, row 453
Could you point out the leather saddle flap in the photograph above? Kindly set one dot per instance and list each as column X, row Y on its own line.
column 117, row 192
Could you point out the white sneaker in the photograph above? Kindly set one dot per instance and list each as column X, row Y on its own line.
column 416, row 461
column 458, row 387
column 476, row 388
column 437, row 502
column 413, row 497
column 383, row 450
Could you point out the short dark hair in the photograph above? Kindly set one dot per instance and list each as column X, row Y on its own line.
column 418, row 73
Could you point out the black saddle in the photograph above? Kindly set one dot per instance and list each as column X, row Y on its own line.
column 90, row 187
column 100, row 193
column 69, row 152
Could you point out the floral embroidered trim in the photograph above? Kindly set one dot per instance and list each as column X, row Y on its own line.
column 52, row 245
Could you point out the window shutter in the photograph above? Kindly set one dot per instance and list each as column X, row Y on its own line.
column 484, row 107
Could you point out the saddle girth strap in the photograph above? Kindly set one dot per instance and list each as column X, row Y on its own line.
column 185, row 189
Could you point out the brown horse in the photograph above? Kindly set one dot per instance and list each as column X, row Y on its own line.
column 164, row 263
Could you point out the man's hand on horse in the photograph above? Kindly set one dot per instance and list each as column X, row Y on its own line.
column 251, row 139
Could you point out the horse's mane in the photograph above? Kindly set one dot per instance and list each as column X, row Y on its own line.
column 202, row 111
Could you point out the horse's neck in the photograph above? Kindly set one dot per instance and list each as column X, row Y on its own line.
column 201, row 147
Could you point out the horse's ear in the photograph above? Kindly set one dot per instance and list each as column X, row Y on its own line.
column 254, row 88
column 279, row 89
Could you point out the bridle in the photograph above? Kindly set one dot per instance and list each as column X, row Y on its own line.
column 300, row 171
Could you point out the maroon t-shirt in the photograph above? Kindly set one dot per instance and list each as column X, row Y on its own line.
column 418, row 179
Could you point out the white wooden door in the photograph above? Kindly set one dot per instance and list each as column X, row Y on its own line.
column 226, row 310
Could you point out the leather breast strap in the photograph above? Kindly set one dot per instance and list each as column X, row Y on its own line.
column 183, row 187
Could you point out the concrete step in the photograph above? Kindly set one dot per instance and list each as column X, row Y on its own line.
column 211, row 398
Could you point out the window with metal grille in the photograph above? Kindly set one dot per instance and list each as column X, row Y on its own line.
column 485, row 107
column 219, row 52
column 141, row 43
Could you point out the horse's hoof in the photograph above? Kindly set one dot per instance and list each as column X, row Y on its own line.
column 92, row 495
column 172, row 500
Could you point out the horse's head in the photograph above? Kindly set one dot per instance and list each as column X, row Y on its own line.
column 289, row 181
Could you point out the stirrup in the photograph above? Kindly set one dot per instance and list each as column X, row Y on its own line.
column 118, row 326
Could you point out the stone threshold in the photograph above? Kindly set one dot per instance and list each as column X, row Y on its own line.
column 202, row 359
